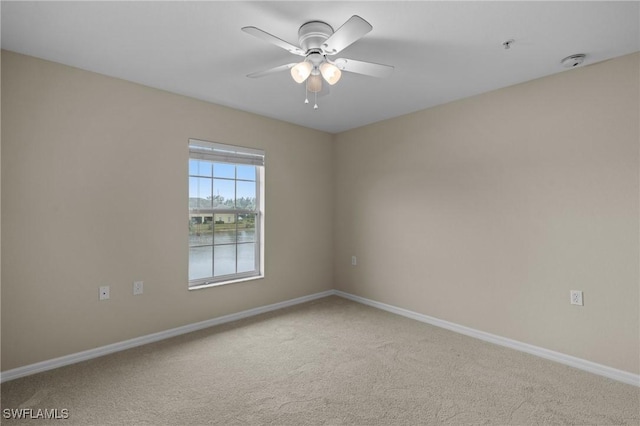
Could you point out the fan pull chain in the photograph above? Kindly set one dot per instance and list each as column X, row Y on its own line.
column 306, row 94
column 315, row 106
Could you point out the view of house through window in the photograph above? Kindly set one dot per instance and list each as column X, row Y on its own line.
column 224, row 212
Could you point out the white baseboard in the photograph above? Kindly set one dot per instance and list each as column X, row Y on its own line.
column 149, row 338
column 582, row 364
column 592, row 367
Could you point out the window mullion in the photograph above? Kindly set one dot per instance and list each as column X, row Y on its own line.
column 213, row 230
column 236, row 246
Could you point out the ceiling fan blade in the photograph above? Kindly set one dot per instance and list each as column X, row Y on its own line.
column 271, row 70
column 366, row 68
column 352, row 30
column 257, row 32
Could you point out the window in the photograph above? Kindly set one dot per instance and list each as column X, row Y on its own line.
column 225, row 213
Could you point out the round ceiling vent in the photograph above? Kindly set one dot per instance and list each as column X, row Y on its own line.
column 573, row 60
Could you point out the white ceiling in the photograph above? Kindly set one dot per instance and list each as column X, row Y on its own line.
column 442, row 51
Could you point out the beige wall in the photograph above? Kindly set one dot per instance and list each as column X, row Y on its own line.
column 484, row 212
column 94, row 192
column 487, row 211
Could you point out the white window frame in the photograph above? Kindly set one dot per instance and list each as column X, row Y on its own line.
column 231, row 154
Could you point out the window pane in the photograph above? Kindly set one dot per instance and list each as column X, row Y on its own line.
column 222, row 170
column 200, row 230
column 201, row 168
column 224, row 258
column 246, row 235
column 193, row 167
column 246, row 257
column 224, row 193
column 246, row 172
column 246, row 228
column 225, row 229
column 200, row 262
column 199, row 193
column 246, row 195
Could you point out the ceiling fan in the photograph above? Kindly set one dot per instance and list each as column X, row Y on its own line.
column 317, row 41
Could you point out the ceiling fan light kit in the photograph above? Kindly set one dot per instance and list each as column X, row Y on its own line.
column 301, row 71
column 314, row 83
column 330, row 72
column 317, row 40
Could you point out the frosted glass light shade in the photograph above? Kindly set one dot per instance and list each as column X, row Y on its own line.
column 330, row 72
column 301, row 71
column 314, row 83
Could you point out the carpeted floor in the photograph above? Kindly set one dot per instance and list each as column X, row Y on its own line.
column 331, row 361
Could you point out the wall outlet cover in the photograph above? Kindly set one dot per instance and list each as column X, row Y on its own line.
column 576, row 297
column 103, row 292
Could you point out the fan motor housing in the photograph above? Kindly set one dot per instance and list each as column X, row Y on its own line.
column 312, row 35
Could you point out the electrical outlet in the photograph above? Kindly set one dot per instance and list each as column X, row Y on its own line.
column 576, row 297
column 137, row 287
column 103, row 293
column 354, row 261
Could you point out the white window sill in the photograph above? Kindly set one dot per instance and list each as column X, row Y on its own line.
column 217, row 284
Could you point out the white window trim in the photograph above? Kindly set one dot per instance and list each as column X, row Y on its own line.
column 222, row 153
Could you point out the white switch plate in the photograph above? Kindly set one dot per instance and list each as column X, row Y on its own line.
column 137, row 287
column 576, row 297
column 103, row 292
column 354, row 261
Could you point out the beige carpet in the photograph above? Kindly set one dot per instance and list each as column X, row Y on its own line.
column 331, row 361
